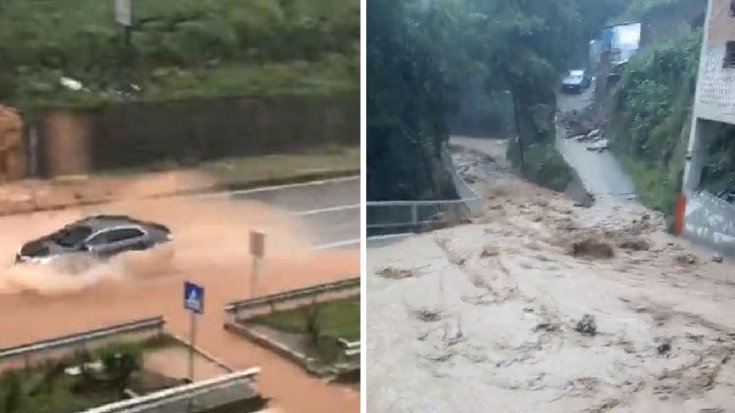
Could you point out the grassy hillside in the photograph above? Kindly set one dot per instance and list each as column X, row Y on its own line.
column 179, row 49
column 652, row 118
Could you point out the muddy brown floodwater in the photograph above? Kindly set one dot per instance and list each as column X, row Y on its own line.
column 210, row 246
column 485, row 316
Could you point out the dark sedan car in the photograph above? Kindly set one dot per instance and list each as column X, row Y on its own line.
column 100, row 236
column 576, row 81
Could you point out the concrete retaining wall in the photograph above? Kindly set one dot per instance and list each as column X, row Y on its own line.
column 710, row 221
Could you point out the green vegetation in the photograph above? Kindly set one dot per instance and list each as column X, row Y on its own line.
column 256, row 168
column 46, row 388
column 651, row 118
column 640, row 9
column 420, row 54
column 719, row 174
column 332, row 319
column 20, row 393
column 179, row 49
column 242, row 170
column 547, row 167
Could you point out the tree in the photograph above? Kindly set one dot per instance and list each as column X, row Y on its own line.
column 417, row 53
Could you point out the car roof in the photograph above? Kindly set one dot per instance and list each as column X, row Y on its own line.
column 576, row 72
column 100, row 222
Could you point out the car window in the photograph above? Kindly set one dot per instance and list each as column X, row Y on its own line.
column 115, row 235
column 72, row 236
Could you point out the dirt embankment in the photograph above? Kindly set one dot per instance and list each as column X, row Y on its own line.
column 541, row 306
column 210, row 244
column 23, row 197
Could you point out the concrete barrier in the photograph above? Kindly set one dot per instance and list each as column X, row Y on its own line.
column 176, row 399
column 246, row 309
column 238, row 313
column 710, row 221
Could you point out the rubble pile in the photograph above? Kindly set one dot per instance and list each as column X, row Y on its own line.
column 585, row 126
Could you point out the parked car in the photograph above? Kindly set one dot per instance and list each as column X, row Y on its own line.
column 99, row 236
column 728, row 194
column 576, row 81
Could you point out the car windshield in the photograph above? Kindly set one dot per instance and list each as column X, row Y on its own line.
column 72, row 236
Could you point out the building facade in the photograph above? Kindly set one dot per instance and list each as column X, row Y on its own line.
column 702, row 216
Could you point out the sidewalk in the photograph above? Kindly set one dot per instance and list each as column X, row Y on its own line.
column 44, row 195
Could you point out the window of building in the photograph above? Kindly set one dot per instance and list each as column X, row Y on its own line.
column 730, row 55
column 732, row 8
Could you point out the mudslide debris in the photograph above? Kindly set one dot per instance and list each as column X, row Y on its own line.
column 587, row 325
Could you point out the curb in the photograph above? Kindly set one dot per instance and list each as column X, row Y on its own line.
column 236, row 186
column 202, row 353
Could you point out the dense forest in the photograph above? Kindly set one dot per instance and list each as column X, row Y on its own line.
column 177, row 49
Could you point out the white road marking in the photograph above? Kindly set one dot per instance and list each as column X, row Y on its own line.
column 338, row 244
column 324, row 210
column 273, row 188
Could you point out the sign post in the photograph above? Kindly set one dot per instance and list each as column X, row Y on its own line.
column 124, row 17
column 194, row 302
column 257, row 251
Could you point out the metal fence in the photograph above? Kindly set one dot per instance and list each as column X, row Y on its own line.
column 389, row 217
column 392, row 217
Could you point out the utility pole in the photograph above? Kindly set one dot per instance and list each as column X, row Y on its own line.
column 520, row 136
column 124, row 17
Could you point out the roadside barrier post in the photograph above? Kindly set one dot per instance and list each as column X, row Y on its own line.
column 257, row 250
column 194, row 302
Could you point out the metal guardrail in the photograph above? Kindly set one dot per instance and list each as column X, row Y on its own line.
column 273, row 299
column 386, row 217
column 148, row 324
column 409, row 215
column 352, row 348
column 153, row 401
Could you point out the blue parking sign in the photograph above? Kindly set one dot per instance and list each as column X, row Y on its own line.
column 194, row 297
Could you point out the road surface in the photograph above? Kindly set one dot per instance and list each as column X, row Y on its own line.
column 210, row 241
column 329, row 210
column 601, row 173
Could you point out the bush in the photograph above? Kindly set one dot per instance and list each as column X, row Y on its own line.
column 13, row 392
column 545, row 166
column 122, row 357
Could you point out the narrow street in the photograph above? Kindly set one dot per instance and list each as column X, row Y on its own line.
column 601, row 172
column 490, row 313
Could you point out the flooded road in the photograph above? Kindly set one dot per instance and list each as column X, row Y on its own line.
column 603, row 176
column 211, row 249
column 487, row 314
